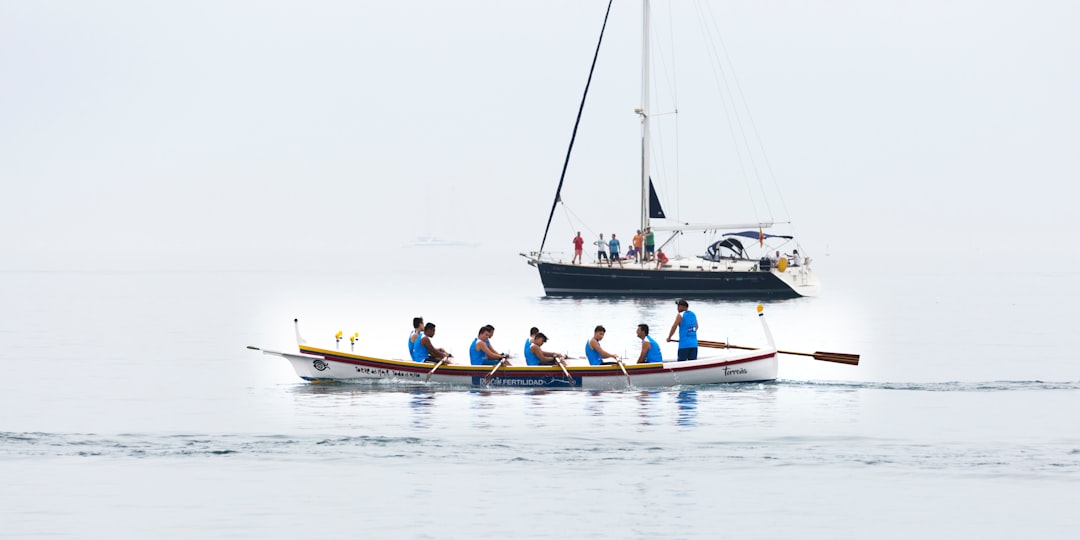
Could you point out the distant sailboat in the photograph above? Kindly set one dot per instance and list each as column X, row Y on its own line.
column 725, row 270
column 429, row 239
column 434, row 241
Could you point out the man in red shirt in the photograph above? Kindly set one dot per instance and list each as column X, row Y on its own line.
column 578, row 243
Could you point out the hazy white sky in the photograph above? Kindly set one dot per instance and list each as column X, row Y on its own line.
column 162, row 129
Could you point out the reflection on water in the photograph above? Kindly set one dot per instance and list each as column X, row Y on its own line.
column 445, row 411
column 481, row 408
column 646, row 408
column 421, row 403
column 687, row 400
column 535, row 407
column 594, row 406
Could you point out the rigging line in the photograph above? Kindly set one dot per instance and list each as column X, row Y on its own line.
column 735, row 114
column 742, row 152
column 660, row 154
column 577, row 121
column 578, row 218
column 755, row 131
column 675, row 104
column 753, row 127
column 732, row 112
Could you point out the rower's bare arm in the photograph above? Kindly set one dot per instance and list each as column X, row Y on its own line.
column 645, row 345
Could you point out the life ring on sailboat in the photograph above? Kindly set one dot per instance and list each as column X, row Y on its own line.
column 781, row 265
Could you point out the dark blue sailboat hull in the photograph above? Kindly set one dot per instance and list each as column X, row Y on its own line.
column 584, row 280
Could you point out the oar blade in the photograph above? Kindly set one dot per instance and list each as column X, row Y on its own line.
column 840, row 358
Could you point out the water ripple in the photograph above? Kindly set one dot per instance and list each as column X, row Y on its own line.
column 1057, row 458
column 949, row 386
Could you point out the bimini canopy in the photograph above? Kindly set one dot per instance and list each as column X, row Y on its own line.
column 736, row 247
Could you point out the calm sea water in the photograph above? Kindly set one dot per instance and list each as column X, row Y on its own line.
column 131, row 408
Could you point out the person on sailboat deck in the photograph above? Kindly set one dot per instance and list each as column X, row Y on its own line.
column 613, row 245
column 650, row 243
column 638, row 239
column 578, row 243
column 535, row 356
column 686, row 324
column 528, row 342
column 594, row 352
column 418, row 330
column 650, row 349
column 796, row 259
column 601, row 250
column 661, row 259
column 481, row 353
column 434, row 354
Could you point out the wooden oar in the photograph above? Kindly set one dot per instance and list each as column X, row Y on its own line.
column 497, row 366
column 428, row 378
column 562, row 364
column 840, row 358
column 623, row 368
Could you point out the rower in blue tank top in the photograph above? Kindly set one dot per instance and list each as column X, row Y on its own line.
column 530, row 358
column 528, row 342
column 419, row 351
column 686, row 323
column 593, row 356
column 480, row 352
column 432, row 354
column 650, row 349
column 476, row 357
column 418, row 331
column 594, row 352
column 541, row 357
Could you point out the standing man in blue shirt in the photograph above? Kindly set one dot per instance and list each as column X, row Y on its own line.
column 686, row 324
column 613, row 247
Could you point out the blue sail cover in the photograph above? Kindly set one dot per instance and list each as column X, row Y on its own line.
column 757, row 234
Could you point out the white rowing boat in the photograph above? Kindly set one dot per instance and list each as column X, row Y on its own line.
column 727, row 365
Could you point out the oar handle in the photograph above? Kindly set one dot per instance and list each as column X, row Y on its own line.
column 562, row 364
column 493, row 370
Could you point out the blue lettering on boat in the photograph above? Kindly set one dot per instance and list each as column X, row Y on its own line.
column 527, row 381
column 381, row 372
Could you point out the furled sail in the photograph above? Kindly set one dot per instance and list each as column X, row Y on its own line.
column 655, row 210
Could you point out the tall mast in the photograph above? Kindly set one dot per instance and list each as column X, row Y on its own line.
column 643, row 111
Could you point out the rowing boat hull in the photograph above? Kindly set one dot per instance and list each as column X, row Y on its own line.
column 318, row 365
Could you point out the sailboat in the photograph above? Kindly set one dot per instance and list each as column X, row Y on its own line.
column 725, row 270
